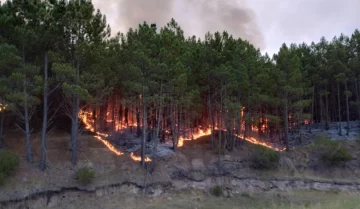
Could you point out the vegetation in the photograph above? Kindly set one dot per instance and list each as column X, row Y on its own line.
column 217, row 191
column 160, row 81
column 85, row 176
column 8, row 164
column 332, row 152
column 264, row 158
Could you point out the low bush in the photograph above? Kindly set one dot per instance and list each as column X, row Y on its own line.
column 217, row 191
column 332, row 152
column 85, row 176
column 9, row 161
column 264, row 158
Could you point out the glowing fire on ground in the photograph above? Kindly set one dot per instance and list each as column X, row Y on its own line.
column 262, row 143
column 84, row 117
column 2, row 107
column 195, row 136
column 138, row 159
column 88, row 125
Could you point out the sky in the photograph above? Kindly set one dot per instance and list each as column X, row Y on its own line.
column 265, row 23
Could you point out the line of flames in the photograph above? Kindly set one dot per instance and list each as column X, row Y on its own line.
column 100, row 136
column 207, row 132
column 83, row 115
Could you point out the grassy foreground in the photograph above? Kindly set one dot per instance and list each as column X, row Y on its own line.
column 192, row 199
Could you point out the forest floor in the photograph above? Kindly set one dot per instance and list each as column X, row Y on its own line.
column 110, row 169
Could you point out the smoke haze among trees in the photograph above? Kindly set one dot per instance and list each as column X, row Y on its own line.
column 158, row 79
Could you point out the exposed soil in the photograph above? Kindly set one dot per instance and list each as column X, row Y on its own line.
column 193, row 166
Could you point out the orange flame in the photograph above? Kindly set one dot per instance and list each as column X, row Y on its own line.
column 207, row 132
column 195, row 136
column 138, row 159
column 84, row 118
column 2, row 107
column 258, row 142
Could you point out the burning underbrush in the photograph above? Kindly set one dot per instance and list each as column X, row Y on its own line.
column 127, row 138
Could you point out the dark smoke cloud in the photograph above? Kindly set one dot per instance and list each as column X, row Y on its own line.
column 196, row 17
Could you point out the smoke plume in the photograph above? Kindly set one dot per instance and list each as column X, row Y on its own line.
column 196, row 17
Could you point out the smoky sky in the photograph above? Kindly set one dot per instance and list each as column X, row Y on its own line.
column 196, row 17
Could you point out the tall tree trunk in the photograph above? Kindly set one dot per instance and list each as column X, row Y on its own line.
column 357, row 98
column 94, row 117
column 347, row 110
column 327, row 111
column 27, row 125
column 339, row 109
column 143, row 139
column 321, row 109
column 75, row 122
column 172, row 121
column 286, row 122
column 45, row 114
column 2, row 119
column 312, row 109
column 211, row 122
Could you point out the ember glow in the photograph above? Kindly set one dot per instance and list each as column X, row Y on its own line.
column 138, row 159
column 195, row 136
column 119, row 125
column 262, row 143
column 84, row 117
column 2, row 107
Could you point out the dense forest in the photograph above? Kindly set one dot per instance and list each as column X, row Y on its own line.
column 58, row 57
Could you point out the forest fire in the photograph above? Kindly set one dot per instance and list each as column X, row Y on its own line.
column 253, row 140
column 2, row 107
column 194, row 136
column 85, row 119
column 119, row 125
column 138, row 159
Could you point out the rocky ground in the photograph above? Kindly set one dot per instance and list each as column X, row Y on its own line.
column 192, row 166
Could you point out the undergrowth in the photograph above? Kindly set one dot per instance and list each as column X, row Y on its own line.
column 85, row 176
column 9, row 161
column 331, row 152
column 264, row 158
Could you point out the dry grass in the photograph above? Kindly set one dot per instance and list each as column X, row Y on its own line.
column 191, row 199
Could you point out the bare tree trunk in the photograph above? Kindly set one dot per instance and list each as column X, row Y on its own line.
column 27, row 125
column 347, row 110
column 327, row 111
column 321, row 109
column 357, row 98
column 75, row 123
column 45, row 114
column 312, row 108
column 210, row 115
column 286, row 123
column 173, row 136
column 94, row 117
column 339, row 108
column 2, row 119
column 143, row 134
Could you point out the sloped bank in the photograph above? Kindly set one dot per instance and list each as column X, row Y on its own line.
column 230, row 184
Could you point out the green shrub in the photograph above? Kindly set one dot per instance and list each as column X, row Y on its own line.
column 332, row 152
column 85, row 176
column 217, row 191
column 8, row 162
column 2, row 178
column 264, row 158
